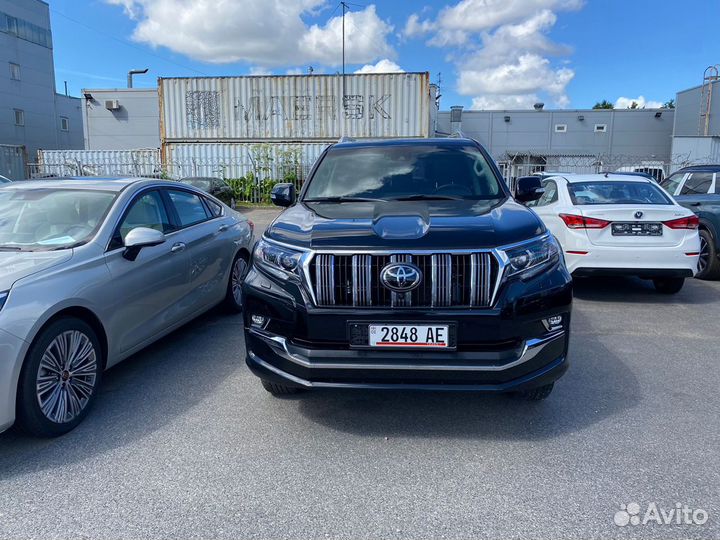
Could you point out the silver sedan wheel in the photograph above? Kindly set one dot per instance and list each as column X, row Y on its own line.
column 66, row 376
column 236, row 279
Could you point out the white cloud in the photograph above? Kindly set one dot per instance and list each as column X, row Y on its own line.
column 524, row 101
column 294, row 71
column 501, row 50
column 528, row 75
column 260, row 32
column 481, row 15
column 382, row 66
column 259, row 70
column 625, row 103
column 365, row 39
column 415, row 27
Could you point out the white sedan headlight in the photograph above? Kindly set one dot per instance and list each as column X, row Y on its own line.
column 530, row 258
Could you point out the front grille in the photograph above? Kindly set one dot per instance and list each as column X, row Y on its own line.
column 449, row 280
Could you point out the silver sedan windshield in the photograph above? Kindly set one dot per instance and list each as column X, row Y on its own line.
column 48, row 218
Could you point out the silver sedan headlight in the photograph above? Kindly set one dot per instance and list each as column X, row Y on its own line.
column 530, row 258
column 278, row 260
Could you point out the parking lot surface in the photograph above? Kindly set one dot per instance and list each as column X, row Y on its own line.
column 183, row 442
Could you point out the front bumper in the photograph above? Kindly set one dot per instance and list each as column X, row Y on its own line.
column 535, row 363
column 12, row 352
column 503, row 348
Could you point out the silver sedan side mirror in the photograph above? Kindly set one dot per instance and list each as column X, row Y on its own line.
column 141, row 237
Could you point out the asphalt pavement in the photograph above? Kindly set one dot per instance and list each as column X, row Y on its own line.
column 183, row 442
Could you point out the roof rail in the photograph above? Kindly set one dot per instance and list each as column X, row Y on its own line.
column 345, row 138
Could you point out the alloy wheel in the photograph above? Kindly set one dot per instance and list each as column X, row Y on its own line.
column 704, row 258
column 66, row 376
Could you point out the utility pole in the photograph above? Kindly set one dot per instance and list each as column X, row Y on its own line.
column 344, row 8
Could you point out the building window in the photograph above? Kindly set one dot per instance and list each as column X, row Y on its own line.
column 600, row 128
column 19, row 117
column 560, row 128
column 14, row 71
column 25, row 30
column 64, row 123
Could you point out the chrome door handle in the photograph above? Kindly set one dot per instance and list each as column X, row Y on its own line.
column 177, row 248
column 223, row 228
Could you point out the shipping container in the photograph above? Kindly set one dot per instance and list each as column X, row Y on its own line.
column 12, row 161
column 295, row 107
column 140, row 162
column 273, row 161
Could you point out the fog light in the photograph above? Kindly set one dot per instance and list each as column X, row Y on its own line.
column 553, row 323
column 257, row 320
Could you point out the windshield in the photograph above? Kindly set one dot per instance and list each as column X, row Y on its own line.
column 400, row 172
column 46, row 218
column 616, row 193
column 671, row 183
column 201, row 183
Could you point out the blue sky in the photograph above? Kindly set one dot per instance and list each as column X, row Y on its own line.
column 490, row 53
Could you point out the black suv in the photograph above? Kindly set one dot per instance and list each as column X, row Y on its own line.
column 407, row 264
column 698, row 188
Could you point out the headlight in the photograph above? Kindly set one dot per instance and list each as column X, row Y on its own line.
column 530, row 258
column 3, row 298
column 279, row 261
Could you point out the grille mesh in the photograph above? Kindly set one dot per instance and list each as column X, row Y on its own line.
column 449, row 280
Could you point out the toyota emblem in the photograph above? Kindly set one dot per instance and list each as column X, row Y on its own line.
column 638, row 214
column 401, row 277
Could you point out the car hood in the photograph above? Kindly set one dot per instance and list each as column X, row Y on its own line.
column 15, row 265
column 411, row 224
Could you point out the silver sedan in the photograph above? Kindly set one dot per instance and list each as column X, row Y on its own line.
column 92, row 271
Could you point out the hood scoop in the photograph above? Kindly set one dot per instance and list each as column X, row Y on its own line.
column 401, row 227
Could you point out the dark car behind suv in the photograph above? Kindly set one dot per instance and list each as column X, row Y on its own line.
column 698, row 189
column 407, row 264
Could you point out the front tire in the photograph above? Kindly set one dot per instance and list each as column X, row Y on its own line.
column 536, row 394
column 59, row 379
column 668, row 285
column 233, row 296
column 279, row 389
column 708, row 263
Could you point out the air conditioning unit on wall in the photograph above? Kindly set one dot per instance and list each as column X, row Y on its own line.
column 112, row 104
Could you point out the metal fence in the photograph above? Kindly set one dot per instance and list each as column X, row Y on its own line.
column 517, row 164
column 250, row 180
column 252, row 176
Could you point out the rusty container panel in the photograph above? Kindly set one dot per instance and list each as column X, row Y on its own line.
column 295, row 107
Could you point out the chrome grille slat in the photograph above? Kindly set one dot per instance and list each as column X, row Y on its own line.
column 325, row 279
column 449, row 280
column 362, row 280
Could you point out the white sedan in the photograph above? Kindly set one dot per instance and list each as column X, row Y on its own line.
column 612, row 224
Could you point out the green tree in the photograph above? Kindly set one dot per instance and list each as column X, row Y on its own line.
column 670, row 104
column 633, row 105
column 604, row 104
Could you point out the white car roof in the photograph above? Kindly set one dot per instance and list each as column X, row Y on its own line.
column 600, row 177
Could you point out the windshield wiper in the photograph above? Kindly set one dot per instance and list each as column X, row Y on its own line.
column 421, row 197
column 10, row 248
column 341, row 199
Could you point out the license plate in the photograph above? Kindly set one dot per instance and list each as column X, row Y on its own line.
column 637, row 229
column 409, row 335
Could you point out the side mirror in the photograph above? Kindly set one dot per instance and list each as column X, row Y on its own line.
column 141, row 237
column 283, row 194
column 528, row 188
